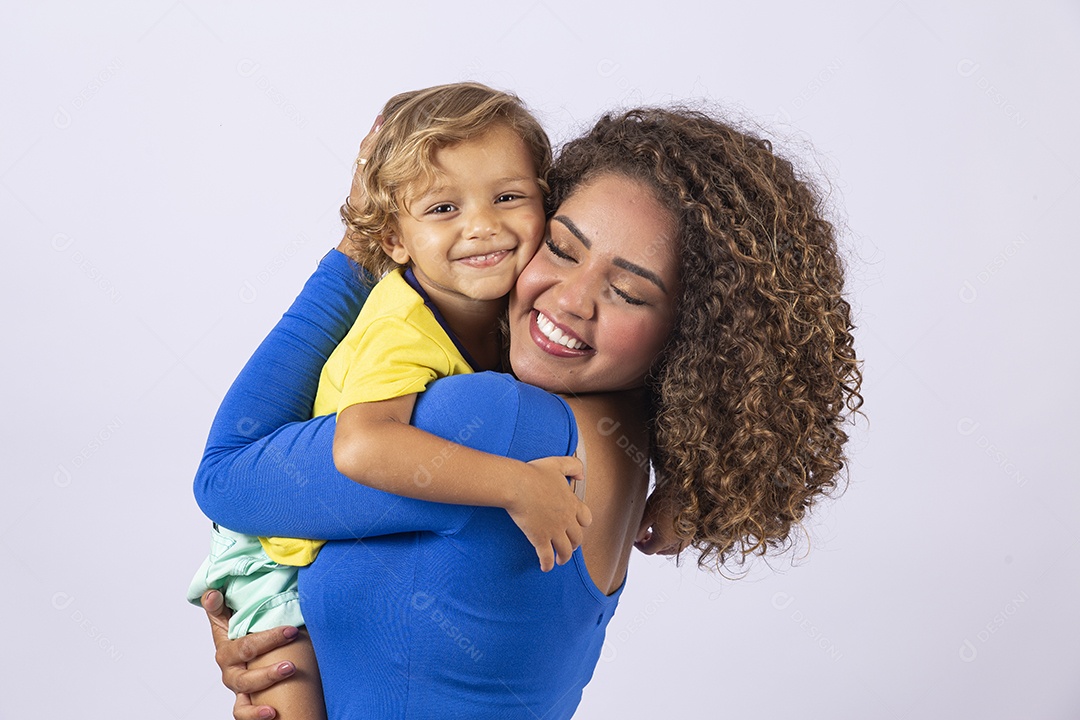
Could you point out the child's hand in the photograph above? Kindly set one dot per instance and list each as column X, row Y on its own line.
column 548, row 511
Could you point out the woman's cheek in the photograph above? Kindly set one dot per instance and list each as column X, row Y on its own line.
column 536, row 277
column 639, row 341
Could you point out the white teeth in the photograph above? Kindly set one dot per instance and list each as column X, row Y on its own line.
column 556, row 335
column 486, row 257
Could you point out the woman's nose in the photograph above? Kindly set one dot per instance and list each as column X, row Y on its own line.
column 577, row 296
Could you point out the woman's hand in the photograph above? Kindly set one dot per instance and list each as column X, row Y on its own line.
column 356, row 192
column 233, row 656
column 656, row 534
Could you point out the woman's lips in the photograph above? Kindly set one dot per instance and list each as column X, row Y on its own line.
column 550, row 338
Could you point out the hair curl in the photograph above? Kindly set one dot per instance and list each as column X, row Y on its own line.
column 759, row 375
column 415, row 125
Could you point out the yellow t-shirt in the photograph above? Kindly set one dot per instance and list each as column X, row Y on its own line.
column 395, row 348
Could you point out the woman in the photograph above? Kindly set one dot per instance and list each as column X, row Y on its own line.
column 698, row 272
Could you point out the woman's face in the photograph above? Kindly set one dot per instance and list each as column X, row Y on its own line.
column 595, row 306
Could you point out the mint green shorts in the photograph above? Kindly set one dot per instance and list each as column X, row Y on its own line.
column 261, row 593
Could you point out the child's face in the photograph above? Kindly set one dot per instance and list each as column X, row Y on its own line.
column 473, row 231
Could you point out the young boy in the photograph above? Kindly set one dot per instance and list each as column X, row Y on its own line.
column 447, row 208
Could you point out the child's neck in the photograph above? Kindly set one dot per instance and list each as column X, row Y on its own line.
column 476, row 328
column 474, row 324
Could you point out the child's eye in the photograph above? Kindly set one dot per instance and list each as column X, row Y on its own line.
column 556, row 250
column 442, row 208
column 508, row 197
column 627, row 297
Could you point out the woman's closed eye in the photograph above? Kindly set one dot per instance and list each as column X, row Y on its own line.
column 558, row 251
column 563, row 254
column 627, row 297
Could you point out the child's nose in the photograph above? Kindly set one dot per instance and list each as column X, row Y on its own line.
column 481, row 223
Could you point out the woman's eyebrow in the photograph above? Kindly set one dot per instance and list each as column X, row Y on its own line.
column 617, row 262
column 638, row 270
column 574, row 230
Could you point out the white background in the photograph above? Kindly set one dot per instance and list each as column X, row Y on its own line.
column 170, row 173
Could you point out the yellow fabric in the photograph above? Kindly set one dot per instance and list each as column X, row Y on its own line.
column 395, row 348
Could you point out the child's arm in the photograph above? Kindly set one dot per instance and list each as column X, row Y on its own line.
column 374, row 445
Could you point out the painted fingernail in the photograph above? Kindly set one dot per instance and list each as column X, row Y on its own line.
column 291, row 632
column 286, row 669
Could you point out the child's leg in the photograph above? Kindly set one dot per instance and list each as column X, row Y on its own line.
column 299, row 697
column 262, row 595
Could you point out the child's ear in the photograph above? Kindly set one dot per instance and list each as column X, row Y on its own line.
column 393, row 247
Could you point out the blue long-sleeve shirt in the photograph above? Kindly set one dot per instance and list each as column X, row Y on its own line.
column 416, row 609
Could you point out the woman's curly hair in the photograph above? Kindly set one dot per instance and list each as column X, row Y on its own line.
column 415, row 125
column 753, row 389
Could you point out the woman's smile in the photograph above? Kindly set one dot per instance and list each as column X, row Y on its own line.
column 556, row 339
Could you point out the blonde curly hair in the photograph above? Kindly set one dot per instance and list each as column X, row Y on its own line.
column 415, row 125
column 751, row 394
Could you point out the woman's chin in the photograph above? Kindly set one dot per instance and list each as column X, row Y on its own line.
column 543, row 375
column 541, row 378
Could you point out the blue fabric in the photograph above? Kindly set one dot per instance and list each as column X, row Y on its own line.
column 416, row 609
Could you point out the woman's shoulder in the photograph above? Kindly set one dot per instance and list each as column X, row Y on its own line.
column 529, row 422
column 503, row 390
column 615, row 421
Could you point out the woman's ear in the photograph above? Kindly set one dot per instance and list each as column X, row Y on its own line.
column 393, row 247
